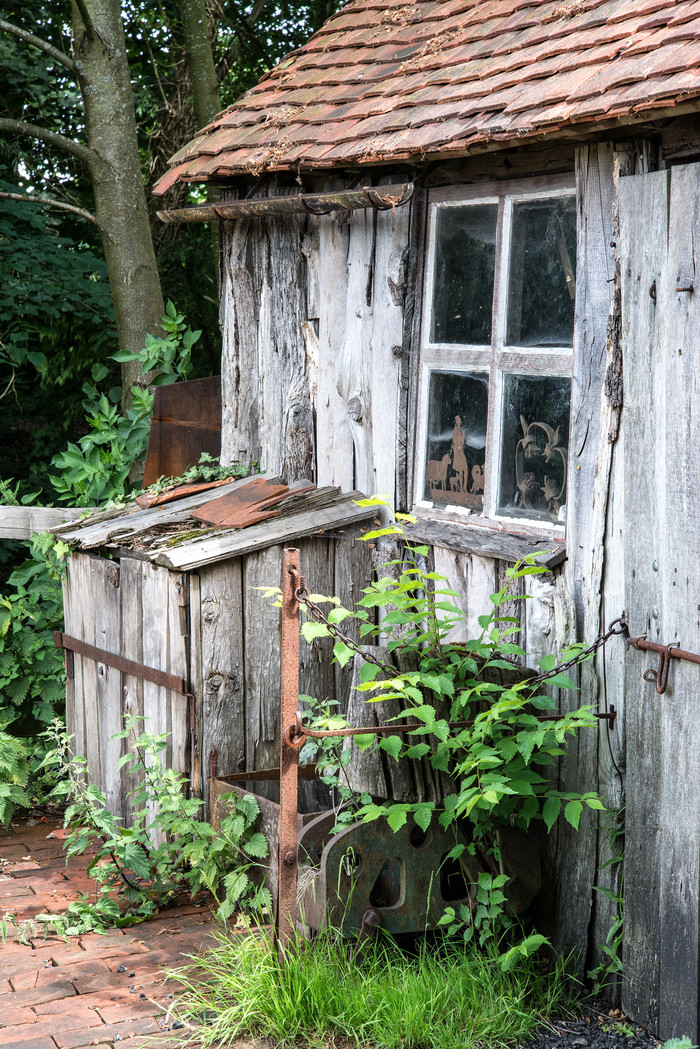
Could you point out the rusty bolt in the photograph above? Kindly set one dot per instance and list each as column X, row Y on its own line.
column 290, row 857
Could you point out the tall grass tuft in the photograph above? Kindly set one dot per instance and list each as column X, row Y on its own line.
column 449, row 997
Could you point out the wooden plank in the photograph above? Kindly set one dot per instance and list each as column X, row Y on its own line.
column 586, row 509
column 280, row 530
column 643, row 206
column 199, row 767
column 261, row 662
column 72, row 607
column 21, row 522
column 105, row 611
column 317, row 676
column 131, row 575
column 265, row 371
column 485, row 542
column 334, row 442
column 223, row 727
column 679, row 578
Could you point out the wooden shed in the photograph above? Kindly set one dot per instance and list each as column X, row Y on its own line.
column 167, row 619
column 459, row 266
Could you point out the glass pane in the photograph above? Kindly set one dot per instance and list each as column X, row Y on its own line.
column 534, row 454
column 465, row 254
column 542, row 273
column 456, row 450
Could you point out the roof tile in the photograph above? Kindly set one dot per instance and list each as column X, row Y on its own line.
column 388, row 79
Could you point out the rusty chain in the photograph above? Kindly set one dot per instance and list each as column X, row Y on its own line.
column 295, row 734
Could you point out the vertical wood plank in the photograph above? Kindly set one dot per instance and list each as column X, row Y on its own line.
column 267, row 405
column 678, row 576
column 72, row 620
column 223, row 726
column 131, row 648
column 587, row 501
column 105, row 606
column 643, row 246
column 261, row 663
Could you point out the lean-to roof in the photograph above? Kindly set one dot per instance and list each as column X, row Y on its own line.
column 386, row 80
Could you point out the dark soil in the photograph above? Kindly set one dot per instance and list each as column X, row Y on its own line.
column 598, row 1027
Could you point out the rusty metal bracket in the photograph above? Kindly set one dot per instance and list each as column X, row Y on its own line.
column 666, row 653
column 127, row 666
column 289, row 757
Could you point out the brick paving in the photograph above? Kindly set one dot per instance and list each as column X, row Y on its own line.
column 70, row 993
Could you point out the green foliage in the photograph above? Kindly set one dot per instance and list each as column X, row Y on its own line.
column 611, row 966
column 445, row 998
column 207, row 469
column 495, row 740
column 166, row 358
column 14, row 774
column 32, row 679
column 166, row 853
column 679, row 1043
column 96, row 470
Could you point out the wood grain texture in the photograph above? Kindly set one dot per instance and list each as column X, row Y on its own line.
column 266, row 414
column 20, row 522
column 131, row 575
column 361, row 320
column 221, row 691
column 589, row 467
column 644, row 222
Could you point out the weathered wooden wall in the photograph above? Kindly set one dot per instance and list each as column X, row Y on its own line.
column 659, row 218
column 132, row 609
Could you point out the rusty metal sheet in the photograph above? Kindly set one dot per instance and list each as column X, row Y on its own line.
column 186, row 422
column 147, row 500
column 243, row 506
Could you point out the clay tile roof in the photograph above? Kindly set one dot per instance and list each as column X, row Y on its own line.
column 387, row 80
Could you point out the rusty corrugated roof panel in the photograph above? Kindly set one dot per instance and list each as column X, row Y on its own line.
column 387, row 80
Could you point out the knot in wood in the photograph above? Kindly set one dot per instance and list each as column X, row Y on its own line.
column 354, row 409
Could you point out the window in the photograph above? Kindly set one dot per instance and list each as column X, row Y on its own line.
column 496, row 353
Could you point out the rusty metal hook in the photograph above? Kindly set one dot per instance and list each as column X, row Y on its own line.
column 375, row 200
column 309, row 210
column 660, row 675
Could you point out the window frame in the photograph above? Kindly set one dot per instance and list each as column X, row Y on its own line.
column 496, row 360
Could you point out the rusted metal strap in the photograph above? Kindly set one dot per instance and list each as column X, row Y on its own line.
column 289, row 757
column 295, row 734
column 666, row 653
column 110, row 659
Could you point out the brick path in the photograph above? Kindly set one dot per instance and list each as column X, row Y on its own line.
column 58, row 994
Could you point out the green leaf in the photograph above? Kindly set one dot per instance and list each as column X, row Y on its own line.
column 342, row 653
column 364, row 742
column 310, row 631
column 392, row 745
column 550, row 811
column 572, row 813
column 396, row 817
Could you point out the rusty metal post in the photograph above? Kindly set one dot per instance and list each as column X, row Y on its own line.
column 289, row 755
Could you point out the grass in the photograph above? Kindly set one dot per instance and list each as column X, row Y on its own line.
column 447, row 997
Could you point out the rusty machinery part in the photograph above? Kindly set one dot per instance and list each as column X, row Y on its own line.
column 666, row 653
column 405, row 877
column 289, row 757
column 296, row 734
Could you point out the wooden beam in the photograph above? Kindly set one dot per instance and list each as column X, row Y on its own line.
column 20, row 522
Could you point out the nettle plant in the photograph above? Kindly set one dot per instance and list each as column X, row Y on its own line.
column 495, row 741
column 167, row 852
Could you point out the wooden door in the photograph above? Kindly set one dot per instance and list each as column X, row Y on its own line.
column 660, row 253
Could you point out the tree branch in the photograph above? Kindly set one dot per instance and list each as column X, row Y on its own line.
column 86, row 20
column 52, row 138
column 32, row 198
column 42, row 45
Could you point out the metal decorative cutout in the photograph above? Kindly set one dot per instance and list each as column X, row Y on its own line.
column 537, row 488
column 450, row 479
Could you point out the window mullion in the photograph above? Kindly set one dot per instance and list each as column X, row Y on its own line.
column 499, row 299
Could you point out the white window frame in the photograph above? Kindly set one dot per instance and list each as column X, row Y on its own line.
column 496, row 360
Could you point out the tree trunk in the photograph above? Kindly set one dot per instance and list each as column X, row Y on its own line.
column 200, row 60
column 99, row 51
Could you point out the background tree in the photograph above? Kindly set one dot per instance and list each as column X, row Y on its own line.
column 56, row 319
